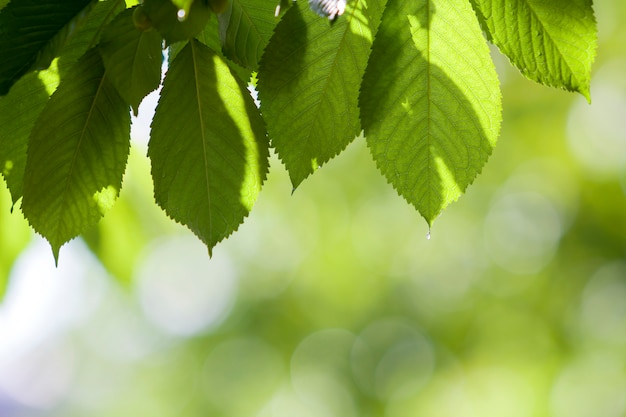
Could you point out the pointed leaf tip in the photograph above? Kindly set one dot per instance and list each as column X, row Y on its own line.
column 55, row 253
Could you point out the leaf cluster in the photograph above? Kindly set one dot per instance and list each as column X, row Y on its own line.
column 416, row 76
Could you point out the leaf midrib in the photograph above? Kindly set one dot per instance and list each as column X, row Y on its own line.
column 204, row 142
column 65, row 192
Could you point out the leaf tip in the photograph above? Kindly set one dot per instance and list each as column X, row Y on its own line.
column 55, row 253
column 586, row 93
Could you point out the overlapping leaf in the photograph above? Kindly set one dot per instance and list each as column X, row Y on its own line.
column 430, row 101
column 550, row 41
column 208, row 146
column 245, row 29
column 18, row 111
column 20, row 108
column 87, row 35
column 132, row 58
column 76, row 155
column 309, row 81
column 210, row 37
column 28, row 28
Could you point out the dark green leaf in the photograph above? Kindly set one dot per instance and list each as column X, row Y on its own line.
column 27, row 29
column 430, row 101
column 550, row 41
column 208, row 147
column 309, row 82
column 132, row 58
column 76, row 155
column 245, row 29
column 88, row 34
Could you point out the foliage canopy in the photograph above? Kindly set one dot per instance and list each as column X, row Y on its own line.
column 416, row 76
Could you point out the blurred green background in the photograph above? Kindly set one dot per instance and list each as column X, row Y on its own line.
column 332, row 301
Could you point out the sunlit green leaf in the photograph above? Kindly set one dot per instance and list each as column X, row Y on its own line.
column 430, row 102
column 76, row 155
column 309, row 82
column 208, row 146
column 27, row 28
column 132, row 58
column 550, row 41
column 245, row 29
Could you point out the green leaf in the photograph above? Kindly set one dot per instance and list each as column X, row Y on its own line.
column 18, row 112
column 21, row 107
column 210, row 37
column 245, row 29
column 309, row 81
column 132, row 58
column 430, row 101
column 27, row 29
column 208, row 146
column 76, row 155
column 550, row 41
column 88, row 34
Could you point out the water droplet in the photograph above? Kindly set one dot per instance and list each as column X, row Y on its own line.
column 182, row 15
column 428, row 235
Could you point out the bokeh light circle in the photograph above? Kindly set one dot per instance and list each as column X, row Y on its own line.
column 181, row 290
column 522, row 232
column 392, row 360
column 320, row 372
column 603, row 309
